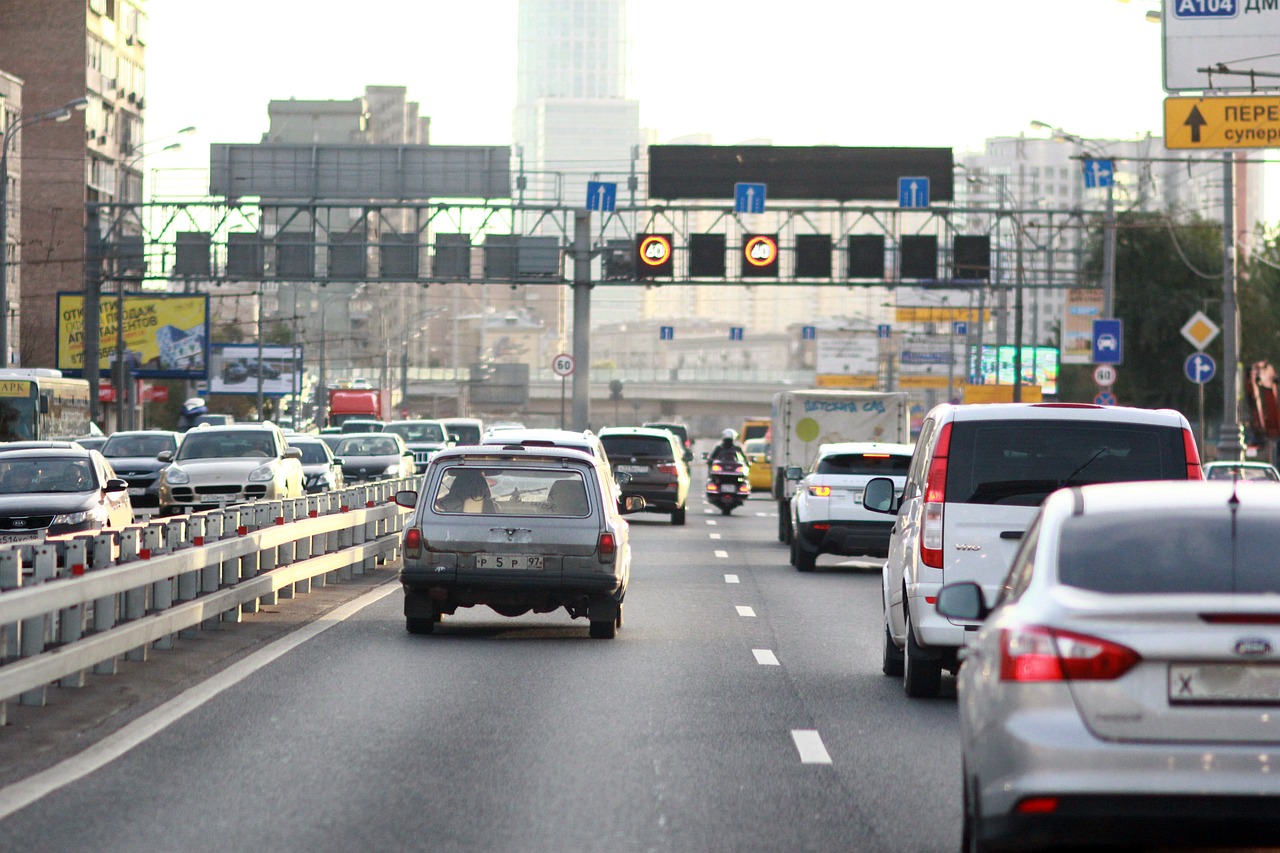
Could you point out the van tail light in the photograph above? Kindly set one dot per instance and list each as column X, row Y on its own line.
column 935, row 493
column 607, row 547
column 1036, row 653
column 1194, row 471
column 413, row 543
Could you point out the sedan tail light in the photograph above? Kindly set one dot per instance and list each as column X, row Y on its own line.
column 1036, row 653
column 413, row 543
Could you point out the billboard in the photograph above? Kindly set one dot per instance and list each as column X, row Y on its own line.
column 165, row 336
column 1084, row 305
column 235, row 368
column 1039, row 367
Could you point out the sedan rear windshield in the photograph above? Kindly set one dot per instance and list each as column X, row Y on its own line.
column 624, row 446
column 511, row 491
column 121, row 446
column 869, row 464
column 417, row 431
column 312, row 452
column 374, row 446
column 1171, row 552
column 1021, row 462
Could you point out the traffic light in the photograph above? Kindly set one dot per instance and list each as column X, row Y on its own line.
column 615, row 389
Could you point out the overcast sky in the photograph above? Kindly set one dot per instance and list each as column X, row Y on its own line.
column 803, row 72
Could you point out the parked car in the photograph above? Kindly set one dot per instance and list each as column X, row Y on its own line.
column 1123, row 690
column 976, row 477
column 653, row 462
column 827, row 515
column 49, row 491
column 759, row 474
column 373, row 456
column 1241, row 471
column 464, row 430
column 681, row 432
column 516, row 529
column 220, row 465
column 423, row 437
column 321, row 470
column 133, row 455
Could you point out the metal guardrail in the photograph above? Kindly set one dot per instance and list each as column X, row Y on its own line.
column 79, row 602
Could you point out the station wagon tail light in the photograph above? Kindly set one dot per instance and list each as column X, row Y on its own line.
column 1194, row 470
column 413, row 543
column 607, row 547
column 1036, row 653
column 820, row 491
column 935, row 492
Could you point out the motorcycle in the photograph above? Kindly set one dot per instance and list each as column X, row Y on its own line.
column 727, row 485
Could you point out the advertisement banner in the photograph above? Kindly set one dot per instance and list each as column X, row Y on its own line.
column 1039, row 367
column 1083, row 306
column 165, row 336
column 235, row 368
column 847, row 356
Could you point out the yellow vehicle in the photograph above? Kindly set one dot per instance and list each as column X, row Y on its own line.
column 759, row 474
column 754, row 428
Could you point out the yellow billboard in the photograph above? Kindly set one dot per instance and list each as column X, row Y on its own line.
column 1001, row 394
column 937, row 314
column 832, row 380
column 164, row 336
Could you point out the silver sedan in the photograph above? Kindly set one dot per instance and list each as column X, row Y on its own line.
column 1126, row 686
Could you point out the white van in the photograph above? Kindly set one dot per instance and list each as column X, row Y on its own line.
column 977, row 477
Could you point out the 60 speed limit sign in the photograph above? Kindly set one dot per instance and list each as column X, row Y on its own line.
column 562, row 364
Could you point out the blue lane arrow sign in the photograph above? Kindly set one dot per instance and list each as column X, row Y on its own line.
column 735, row 333
column 884, row 330
column 748, row 198
column 666, row 333
column 602, row 196
column 913, row 192
column 959, row 327
column 1099, row 173
column 1199, row 368
column 808, row 333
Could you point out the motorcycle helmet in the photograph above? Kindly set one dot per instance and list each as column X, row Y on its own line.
column 729, row 435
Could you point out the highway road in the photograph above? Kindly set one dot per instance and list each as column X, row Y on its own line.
column 741, row 708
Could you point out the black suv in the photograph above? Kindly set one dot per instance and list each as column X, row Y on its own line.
column 649, row 463
column 681, row 432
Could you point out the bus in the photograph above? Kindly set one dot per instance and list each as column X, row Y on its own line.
column 40, row 404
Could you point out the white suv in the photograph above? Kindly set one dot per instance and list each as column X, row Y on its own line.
column 977, row 476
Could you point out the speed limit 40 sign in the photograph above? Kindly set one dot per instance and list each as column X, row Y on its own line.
column 562, row 364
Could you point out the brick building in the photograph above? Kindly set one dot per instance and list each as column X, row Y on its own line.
column 10, row 111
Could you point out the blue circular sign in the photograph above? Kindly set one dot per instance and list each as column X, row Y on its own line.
column 1199, row 368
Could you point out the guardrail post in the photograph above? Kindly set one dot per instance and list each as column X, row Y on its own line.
column 10, row 578
column 351, row 499
column 153, row 544
column 285, row 553
column 302, row 546
column 71, row 619
column 249, row 562
column 231, row 565
column 318, row 505
column 187, row 537
column 106, row 610
column 36, row 631
column 135, row 600
column 210, row 530
column 265, row 516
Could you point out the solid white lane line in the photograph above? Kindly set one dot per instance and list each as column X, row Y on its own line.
column 743, row 610
column 22, row 793
column 724, row 555
column 730, row 578
column 714, row 535
column 765, row 657
column 809, row 745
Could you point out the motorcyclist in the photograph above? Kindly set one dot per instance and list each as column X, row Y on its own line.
column 728, row 450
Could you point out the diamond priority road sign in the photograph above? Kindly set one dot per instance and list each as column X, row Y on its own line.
column 1200, row 330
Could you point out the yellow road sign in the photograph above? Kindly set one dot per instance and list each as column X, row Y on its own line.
column 1244, row 122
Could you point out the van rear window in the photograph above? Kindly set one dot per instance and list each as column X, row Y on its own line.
column 1021, row 462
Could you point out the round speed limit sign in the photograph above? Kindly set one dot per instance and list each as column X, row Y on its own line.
column 562, row 364
column 1104, row 375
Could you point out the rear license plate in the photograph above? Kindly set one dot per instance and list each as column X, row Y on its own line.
column 1231, row 683
column 634, row 469
column 508, row 561
column 728, row 487
column 134, row 492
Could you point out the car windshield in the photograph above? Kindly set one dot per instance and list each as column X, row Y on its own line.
column 226, row 445
column 46, row 475
column 1198, row 551
column 1021, row 462
column 511, row 491
column 120, row 446
column 313, row 452
column 370, row 446
column 868, row 464
column 417, row 430
column 621, row 446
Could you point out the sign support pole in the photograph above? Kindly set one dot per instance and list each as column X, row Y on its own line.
column 1229, row 439
column 582, row 319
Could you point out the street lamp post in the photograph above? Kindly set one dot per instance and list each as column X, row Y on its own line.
column 62, row 113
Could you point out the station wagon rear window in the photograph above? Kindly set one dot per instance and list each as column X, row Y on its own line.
column 868, row 464
column 1020, row 462
column 512, row 490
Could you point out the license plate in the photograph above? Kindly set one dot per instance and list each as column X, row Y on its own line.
column 136, row 492
column 728, row 487
column 633, row 469
column 1244, row 684
column 18, row 537
column 508, row 561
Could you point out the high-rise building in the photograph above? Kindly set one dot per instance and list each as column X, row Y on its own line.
column 10, row 111
column 64, row 50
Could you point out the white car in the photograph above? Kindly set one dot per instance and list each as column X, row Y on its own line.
column 976, row 478
column 221, row 465
column 827, row 515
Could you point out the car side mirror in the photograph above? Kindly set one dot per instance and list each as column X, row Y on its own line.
column 164, row 456
column 115, row 484
column 408, row 453
column 794, row 473
column 337, row 460
column 634, row 503
column 622, row 478
column 878, row 496
column 963, row 600
column 293, row 453
column 407, row 498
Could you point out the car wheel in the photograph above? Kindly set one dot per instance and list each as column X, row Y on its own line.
column 419, row 624
column 891, row 659
column 793, row 552
column 617, row 622
column 921, row 678
column 806, row 557
column 604, row 629
column 677, row 516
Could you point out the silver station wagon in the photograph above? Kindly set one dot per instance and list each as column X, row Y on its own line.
column 517, row 529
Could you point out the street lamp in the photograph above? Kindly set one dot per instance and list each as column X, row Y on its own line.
column 62, row 113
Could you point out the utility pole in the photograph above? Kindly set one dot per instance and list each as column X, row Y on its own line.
column 93, row 305
column 581, row 319
column 1231, row 438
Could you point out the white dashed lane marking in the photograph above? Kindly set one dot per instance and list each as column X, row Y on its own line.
column 743, row 610
column 714, row 535
column 730, row 578
column 723, row 555
column 711, row 521
column 765, row 657
column 809, row 745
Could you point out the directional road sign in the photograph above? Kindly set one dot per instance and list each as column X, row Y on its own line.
column 1222, row 122
column 913, row 192
column 1099, row 173
column 1200, row 330
column 808, row 333
column 959, row 328
column 884, row 330
column 562, row 364
column 748, row 198
column 1199, row 368
column 1108, row 342
column 666, row 333
column 602, row 196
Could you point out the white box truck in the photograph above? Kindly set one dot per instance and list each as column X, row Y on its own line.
column 802, row 421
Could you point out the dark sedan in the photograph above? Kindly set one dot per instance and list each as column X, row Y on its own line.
column 51, row 491
column 374, row 456
column 133, row 456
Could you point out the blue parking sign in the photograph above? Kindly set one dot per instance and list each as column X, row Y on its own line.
column 1108, row 341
